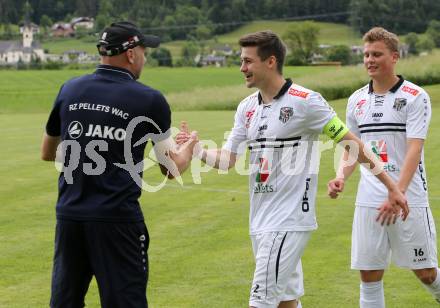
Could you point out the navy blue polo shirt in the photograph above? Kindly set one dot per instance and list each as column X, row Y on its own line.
column 92, row 115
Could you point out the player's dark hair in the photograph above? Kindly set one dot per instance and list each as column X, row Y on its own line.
column 268, row 43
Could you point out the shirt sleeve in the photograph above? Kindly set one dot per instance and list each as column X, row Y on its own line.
column 350, row 119
column 418, row 117
column 53, row 125
column 161, row 116
column 319, row 112
column 237, row 138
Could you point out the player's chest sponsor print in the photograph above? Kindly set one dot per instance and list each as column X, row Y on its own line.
column 265, row 180
column 380, row 148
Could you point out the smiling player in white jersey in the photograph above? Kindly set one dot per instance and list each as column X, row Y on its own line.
column 391, row 115
column 280, row 125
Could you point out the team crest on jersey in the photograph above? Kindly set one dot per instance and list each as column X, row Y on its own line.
column 285, row 114
column 399, row 103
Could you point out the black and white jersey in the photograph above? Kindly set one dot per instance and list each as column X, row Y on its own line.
column 281, row 136
column 384, row 123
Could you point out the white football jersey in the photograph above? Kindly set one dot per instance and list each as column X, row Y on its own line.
column 284, row 173
column 384, row 122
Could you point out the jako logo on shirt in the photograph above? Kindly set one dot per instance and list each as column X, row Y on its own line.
column 106, row 132
column 75, row 129
column 262, row 178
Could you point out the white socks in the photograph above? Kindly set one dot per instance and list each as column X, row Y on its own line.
column 371, row 295
column 434, row 288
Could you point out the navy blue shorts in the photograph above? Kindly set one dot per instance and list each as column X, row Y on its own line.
column 115, row 253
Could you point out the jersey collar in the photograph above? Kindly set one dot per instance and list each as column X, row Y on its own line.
column 282, row 91
column 393, row 89
column 114, row 71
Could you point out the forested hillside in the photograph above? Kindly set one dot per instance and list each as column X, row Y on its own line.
column 202, row 19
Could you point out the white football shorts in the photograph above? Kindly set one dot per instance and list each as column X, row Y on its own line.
column 278, row 272
column 410, row 244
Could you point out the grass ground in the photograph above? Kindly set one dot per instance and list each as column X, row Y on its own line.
column 200, row 252
column 199, row 88
column 330, row 33
column 60, row 45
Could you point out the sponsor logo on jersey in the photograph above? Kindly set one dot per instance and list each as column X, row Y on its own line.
column 261, row 185
column 75, row 129
column 359, row 107
column 409, row 90
column 399, row 103
column 295, row 92
column 249, row 115
column 305, row 202
column 377, row 116
column 285, row 114
column 379, row 147
column 106, row 132
column 261, row 130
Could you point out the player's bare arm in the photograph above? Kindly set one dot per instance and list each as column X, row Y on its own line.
column 411, row 162
column 388, row 212
column 345, row 170
column 49, row 147
column 216, row 158
column 337, row 131
column 396, row 200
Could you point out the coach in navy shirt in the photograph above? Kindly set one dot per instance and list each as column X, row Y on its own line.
column 98, row 123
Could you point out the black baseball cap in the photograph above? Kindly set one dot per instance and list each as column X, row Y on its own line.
column 121, row 36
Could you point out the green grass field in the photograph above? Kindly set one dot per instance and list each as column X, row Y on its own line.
column 329, row 33
column 60, row 45
column 200, row 252
column 199, row 88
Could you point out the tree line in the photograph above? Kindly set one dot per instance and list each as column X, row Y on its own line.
column 201, row 19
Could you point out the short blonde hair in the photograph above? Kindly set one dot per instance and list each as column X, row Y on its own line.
column 380, row 34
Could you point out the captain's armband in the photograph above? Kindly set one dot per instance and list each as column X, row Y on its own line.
column 335, row 129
